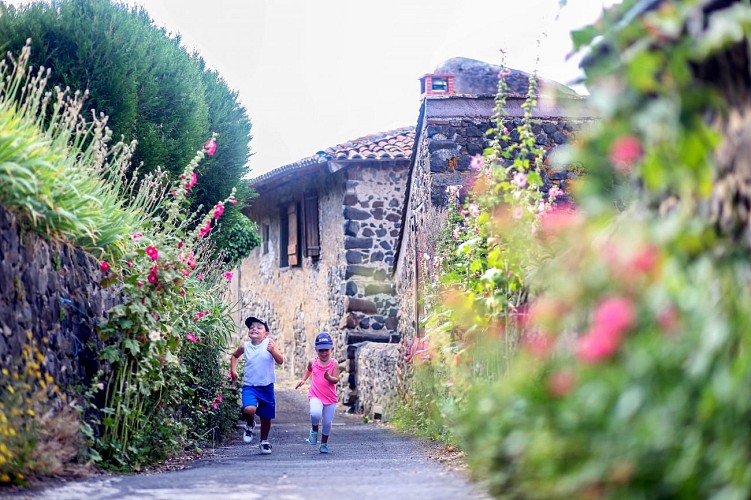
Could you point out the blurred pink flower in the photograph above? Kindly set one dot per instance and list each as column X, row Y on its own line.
column 456, row 233
column 152, row 252
column 624, row 152
column 597, row 345
column 474, row 209
column 228, row 276
column 104, row 266
column 538, row 343
column 645, row 259
column 615, row 315
column 561, row 383
column 182, row 292
column 233, row 201
column 180, row 245
column 476, row 162
column 190, row 337
column 215, row 405
column 137, row 236
column 219, row 397
column 554, row 192
column 140, row 283
column 210, row 147
column 129, row 264
column 199, row 277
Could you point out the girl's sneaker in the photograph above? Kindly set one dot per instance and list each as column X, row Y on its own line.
column 324, row 448
column 313, row 437
column 248, row 434
column 265, row 447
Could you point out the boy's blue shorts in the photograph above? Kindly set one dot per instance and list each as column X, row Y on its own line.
column 262, row 397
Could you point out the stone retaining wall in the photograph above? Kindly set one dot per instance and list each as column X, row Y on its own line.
column 377, row 380
column 50, row 291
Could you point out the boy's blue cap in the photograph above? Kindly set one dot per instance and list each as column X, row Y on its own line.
column 323, row 341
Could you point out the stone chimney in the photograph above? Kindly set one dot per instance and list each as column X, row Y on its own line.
column 437, row 84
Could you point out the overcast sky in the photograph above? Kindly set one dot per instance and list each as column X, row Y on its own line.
column 313, row 74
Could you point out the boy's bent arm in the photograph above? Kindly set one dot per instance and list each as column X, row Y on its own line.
column 275, row 353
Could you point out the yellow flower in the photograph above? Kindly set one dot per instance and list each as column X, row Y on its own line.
column 5, row 478
column 30, row 412
column 5, row 372
column 11, row 389
column 49, row 378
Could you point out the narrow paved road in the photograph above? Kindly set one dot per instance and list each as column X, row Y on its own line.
column 366, row 461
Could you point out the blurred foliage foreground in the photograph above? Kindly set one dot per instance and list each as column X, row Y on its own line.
column 602, row 348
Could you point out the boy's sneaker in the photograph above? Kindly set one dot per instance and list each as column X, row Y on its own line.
column 324, row 448
column 265, row 447
column 313, row 437
column 248, row 434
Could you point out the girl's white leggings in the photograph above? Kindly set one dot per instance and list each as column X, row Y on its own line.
column 319, row 410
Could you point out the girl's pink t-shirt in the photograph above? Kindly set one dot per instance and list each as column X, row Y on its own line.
column 320, row 387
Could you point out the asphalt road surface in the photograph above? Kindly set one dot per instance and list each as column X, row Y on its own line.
column 365, row 461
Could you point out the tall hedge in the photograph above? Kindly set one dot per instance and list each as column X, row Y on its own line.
column 151, row 88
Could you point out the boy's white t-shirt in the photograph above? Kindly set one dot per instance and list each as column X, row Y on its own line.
column 259, row 364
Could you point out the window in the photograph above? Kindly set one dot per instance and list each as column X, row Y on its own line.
column 312, row 237
column 265, row 238
column 299, row 231
column 289, row 229
column 439, row 84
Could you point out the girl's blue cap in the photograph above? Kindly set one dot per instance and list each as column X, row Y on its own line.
column 323, row 341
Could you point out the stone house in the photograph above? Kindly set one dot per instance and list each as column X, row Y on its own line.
column 343, row 231
column 329, row 225
column 451, row 129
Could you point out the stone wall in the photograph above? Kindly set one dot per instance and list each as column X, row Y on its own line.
column 377, row 385
column 372, row 217
column 51, row 291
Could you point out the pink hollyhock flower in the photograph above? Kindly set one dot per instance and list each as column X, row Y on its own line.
column 190, row 337
column 519, row 180
column 152, row 276
column 474, row 209
column 215, row 405
column 199, row 277
column 140, row 283
column 129, row 264
column 152, row 252
column 624, row 152
column 205, row 230
column 476, row 163
column 615, row 314
column 228, row 276
column 186, row 273
column 456, row 234
column 561, row 383
column 192, row 181
column 218, row 210
column 210, row 147
column 104, row 266
column 219, row 397
column 137, row 236
column 182, row 292
column 233, row 201
column 555, row 192
column 180, row 245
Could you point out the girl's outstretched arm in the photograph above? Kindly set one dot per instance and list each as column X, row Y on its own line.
column 306, row 375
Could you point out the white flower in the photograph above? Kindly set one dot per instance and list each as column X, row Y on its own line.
column 155, row 336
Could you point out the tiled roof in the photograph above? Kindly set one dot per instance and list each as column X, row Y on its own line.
column 382, row 146
column 390, row 145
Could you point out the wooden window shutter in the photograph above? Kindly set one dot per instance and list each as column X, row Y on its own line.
column 292, row 258
column 312, row 237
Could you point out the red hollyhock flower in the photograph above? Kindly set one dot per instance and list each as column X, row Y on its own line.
column 152, row 252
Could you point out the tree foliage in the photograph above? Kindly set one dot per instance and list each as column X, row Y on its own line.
column 151, row 88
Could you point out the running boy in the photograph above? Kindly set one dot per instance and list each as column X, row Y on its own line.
column 258, row 381
column 322, row 394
